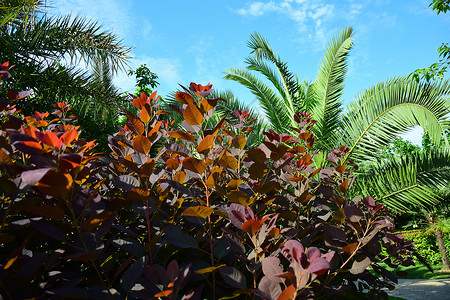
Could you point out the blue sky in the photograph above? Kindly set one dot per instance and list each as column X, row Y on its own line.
column 184, row 41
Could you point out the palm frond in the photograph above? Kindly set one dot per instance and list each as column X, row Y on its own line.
column 396, row 184
column 390, row 108
column 271, row 102
column 328, row 88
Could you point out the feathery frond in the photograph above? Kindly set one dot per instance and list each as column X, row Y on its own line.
column 328, row 89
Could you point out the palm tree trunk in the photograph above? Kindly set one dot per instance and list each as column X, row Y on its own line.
column 441, row 244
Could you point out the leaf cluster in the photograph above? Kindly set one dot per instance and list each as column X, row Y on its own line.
column 189, row 212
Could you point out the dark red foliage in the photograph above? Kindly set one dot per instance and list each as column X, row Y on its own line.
column 183, row 213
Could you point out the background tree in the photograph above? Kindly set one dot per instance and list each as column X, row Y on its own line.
column 436, row 70
column 367, row 125
column 48, row 50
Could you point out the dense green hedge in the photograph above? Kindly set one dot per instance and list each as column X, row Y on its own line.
column 426, row 245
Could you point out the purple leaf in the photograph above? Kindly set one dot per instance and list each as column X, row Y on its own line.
column 270, row 267
column 353, row 213
column 33, row 176
column 312, row 253
column 239, row 214
column 269, row 288
column 49, row 229
column 319, row 266
column 131, row 275
column 172, row 270
column 293, row 249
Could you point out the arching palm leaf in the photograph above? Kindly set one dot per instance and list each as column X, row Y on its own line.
column 380, row 113
column 407, row 183
column 328, row 89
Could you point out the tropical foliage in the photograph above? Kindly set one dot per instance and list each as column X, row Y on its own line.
column 366, row 126
column 204, row 218
column 47, row 50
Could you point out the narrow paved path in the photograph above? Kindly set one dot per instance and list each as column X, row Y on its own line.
column 418, row 289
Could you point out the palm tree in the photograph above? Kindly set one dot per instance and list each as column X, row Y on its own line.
column 46, row 51
column 366, row 126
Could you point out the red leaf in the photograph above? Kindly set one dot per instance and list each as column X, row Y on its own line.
column 288, row 293
column 251, row 226
column 184, row 98
column 69, row 136
column 50, row 138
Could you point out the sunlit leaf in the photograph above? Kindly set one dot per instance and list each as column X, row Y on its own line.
column 251, row 226
column 69, row 136
column 198, row 211
column 206, row 144
column 181, row 135
column 142, row 144
column 209, row 270
column 192, row 115
column 184, row 98
column 195, row 165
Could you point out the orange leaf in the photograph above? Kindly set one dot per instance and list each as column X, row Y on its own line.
column 239, row 142
column 350, row 248
column 137, row 125
column 69, row 136
column 340, row 168
column 184, row 98
column 288, row 293
column 304, row 136
column 192, row 115
column 172, row 163
column 234, row 183
column 195, row 165
column 138, row 194
column 142, row 144
column 343, row 187
column 181, row 135
column 95, row 221
column 198, row 211
column 229, row 162
column 145, row 113
column 56, row 184
column 180, row 177
column 207, row 105
column 154, row 132
column 147, row 168
column 32, row 144
column 205, row 145
column 51, row 139
column 251, row 226
column 163, row 293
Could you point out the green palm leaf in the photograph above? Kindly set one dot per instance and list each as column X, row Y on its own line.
column 401, row 183
column 328, row 89
column 388, row 109
column 271, row 102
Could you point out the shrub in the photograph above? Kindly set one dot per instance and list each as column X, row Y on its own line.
column 426, row 246
column 185, row 213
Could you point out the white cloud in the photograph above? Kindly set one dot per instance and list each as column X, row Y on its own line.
column 309, row 16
